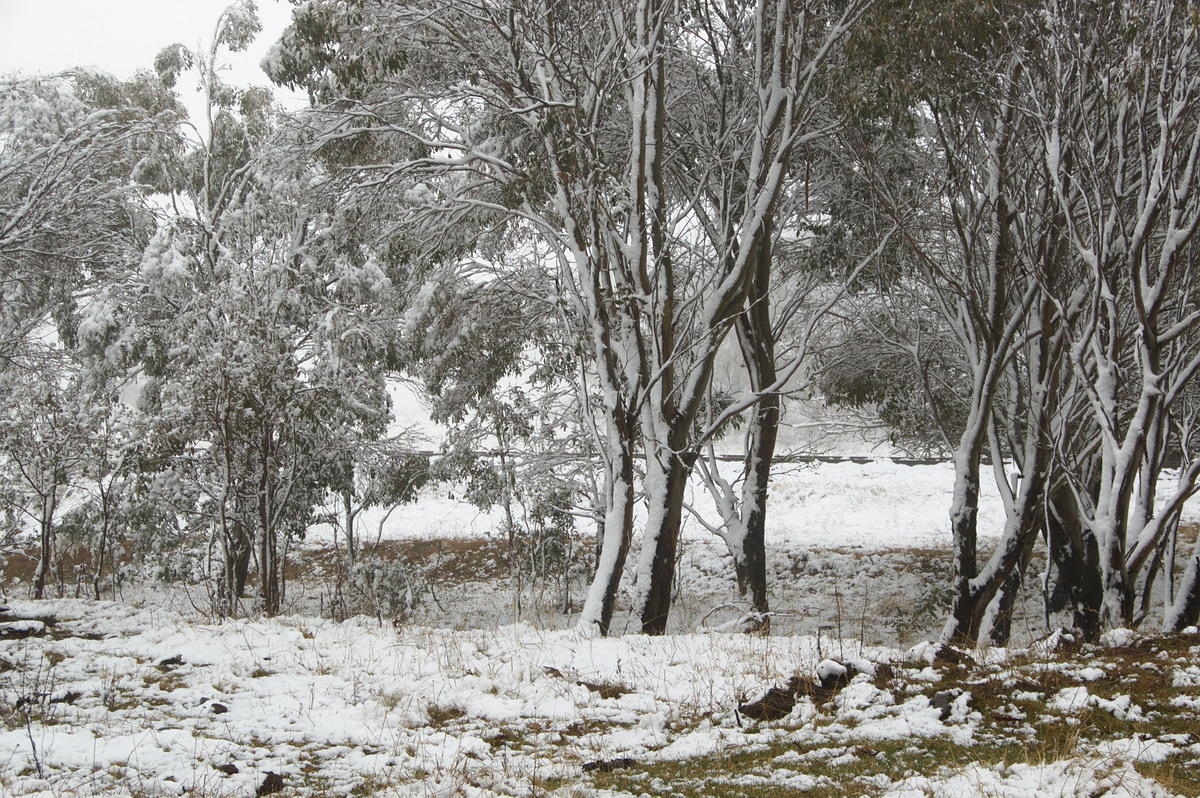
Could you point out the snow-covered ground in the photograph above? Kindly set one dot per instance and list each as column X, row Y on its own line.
column 874, row 505
column 155, row 700
column 126, row 701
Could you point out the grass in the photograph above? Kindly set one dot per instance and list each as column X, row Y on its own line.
column 867, row 769
column 1014, row 725
column 441, row 715
column 1177, row 777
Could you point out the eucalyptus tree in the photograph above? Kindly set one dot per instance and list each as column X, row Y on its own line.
column 479, row 117
column 753, row 97
column 553, row 119
column 491, row 353
column 114, row 505
column 1056, row 237
column 1120, row 123
column 43, row 429
column 1182, row 600
column 75, row 150
column 258, row 346
column 983, row 233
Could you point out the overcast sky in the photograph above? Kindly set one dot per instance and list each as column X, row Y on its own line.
column 121, row 36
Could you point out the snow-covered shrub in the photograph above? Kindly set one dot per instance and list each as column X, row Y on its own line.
column 380, row 587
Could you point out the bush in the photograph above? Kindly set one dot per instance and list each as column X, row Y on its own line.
column 374, row 586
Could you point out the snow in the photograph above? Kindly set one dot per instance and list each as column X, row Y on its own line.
column 1119, row 638
column 1066, row 778
column 156, row 699
column 916, row 717
column 159, row 700
column 1186, row 677
column 278, row 695
column 1076, row 699
column 827, row 669
column 876, row 505
column 835, row 522
column 16, row 628
column 1070, row 699
column 1136, row 749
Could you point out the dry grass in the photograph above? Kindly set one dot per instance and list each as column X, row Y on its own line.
column 1014, row 725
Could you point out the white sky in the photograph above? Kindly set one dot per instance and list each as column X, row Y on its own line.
column 121, row 36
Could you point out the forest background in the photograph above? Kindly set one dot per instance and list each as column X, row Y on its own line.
column 610, row 245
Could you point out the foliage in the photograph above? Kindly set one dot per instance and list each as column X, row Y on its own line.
column 72, row 147
column 892, row 358
column 384, row 588
column 259, row 350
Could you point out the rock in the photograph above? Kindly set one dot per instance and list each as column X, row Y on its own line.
column 69, row 697
column 862, row 666
column 1119, row 638
column 832, row 675
column 604, row 690
column 776, row 704
column 950, row 655
column 941, row 702
column 944, row 702
column 9, row 615
column 273, row 783
column 219, row 709
column 1058, row 640
column 229, row 769
column 754, row 623
column 939, row 654
column 609, row 765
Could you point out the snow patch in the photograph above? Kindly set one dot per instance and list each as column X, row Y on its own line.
column 1119, row 638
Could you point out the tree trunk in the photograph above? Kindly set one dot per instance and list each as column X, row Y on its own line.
column 964, row 511
column 1185, row 611
column 1008, row 576
column 268, row 571
column 984, row 595
column 1075, row 586
column 46, row 541
column 237, row 565
column 1116, row 606
column 349, row 513
column 756, row 338
column 268, row 511
column 268, row 555
column 101, row 544
column 751, row 567
column 1002, row 604
column 988, row 596
column 617, row 534
column 656, row 570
